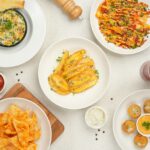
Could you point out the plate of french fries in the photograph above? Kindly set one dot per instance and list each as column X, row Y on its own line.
column 74, row 73
column 23, row 125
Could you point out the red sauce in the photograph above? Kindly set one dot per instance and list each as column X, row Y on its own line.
column 1, row 82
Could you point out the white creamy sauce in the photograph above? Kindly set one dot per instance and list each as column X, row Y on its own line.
column 95, row 117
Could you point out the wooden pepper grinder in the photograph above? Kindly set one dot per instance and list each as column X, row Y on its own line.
column 70, row 8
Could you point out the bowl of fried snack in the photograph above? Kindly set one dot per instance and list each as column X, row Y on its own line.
column 74, row 73
column 23, row 125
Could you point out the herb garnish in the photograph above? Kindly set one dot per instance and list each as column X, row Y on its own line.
column 7, row 24
column 146, row 124
column 58, row 59
column 97, row 73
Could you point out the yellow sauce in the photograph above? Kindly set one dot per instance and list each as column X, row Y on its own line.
column 144, row 124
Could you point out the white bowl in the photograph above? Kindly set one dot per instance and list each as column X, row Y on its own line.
column 80, row 100
column 4, row 78
column 33, row 41
column 87, row 117
column 110, row 46
column 147, row 135
column 46, row 133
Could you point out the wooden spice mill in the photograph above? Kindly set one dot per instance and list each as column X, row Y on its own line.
column 70, row 8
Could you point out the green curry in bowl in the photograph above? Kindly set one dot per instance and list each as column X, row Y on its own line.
column 13, row 28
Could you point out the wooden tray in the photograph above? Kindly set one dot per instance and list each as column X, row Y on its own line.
column 18, row 90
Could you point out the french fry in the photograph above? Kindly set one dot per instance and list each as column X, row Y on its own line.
column 84, row 86
column 85, row 61
column 62, row 62
column 74, row 73
column 82, row 78
column 56, row 89
column 74, row 59
column 75, row 70
column 60, row 82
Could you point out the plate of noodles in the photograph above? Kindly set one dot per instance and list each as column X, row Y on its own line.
column 121, row 26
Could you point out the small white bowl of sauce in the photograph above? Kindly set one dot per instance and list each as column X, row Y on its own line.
column 143, row 125
column 95, row 117
column 2, row 82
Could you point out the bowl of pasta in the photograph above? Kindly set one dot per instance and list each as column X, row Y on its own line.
column 121, row 26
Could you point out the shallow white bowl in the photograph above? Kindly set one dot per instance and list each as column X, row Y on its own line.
column 45, row 140
column 48, row 63
column 126, row 141
column 28, row 48
column 147, row 135
column 101, row 39
column 95, row 126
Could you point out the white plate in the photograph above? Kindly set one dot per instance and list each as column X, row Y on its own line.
column 48, row 63
column 45, row 140
column 126, row 141
column 101, row 39
column 28, row 48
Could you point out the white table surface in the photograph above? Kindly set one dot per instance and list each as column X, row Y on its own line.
column 125, row 79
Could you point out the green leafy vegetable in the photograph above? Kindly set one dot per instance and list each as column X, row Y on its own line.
column 58, row 59
column 146, row 124
column 6, row 24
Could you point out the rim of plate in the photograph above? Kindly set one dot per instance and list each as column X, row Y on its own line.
column 91, row 42
column 21, row 56
column 28, row 101
column 117, row 109
column 119, row 50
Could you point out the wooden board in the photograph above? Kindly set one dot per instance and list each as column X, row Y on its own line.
column 18, row 90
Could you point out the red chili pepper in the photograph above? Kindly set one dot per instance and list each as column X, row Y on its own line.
column 134, row 26
column 104, row 10
column 104, row 3
column 136, row 39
